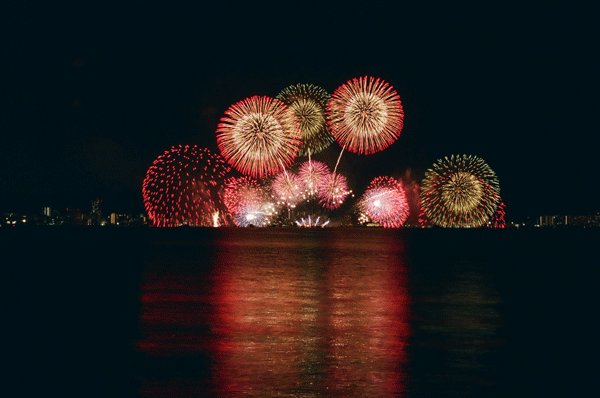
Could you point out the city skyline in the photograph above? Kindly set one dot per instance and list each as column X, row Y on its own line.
column 88, row 108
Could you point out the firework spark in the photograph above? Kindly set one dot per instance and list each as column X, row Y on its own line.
column 183, row 187
column 460, row 191
column 365, row 115
column 385, row 202
column 333, row 190
column 309, row 104
column 259, row 136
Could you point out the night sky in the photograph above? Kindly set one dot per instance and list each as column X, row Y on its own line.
column 91, row 95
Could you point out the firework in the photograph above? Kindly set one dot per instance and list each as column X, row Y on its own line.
column 309, row 104
column 259, row 136
column 246, row 199
column 497, row 219
column 183, row 187
column 287, row 189
column 238, row 191
column 333, row 191
column 257, row 214
column 365, row 115
column 385, row 202
column 312, row 222
column 311, row 176
column 460, row 191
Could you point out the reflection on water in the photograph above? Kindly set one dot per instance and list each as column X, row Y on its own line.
column 291, row 313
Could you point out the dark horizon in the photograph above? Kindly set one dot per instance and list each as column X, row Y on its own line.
column 94, row 95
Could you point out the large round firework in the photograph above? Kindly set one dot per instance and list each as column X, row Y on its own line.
column 384, row 202
column 365, row 115
column 311, row 176
column 287, row 189
column 333, row 191
column 460, row 191
column 309, row 104
column 259, row 136
column 184, row 187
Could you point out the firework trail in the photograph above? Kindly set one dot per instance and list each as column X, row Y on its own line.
column 460, row 191
column 385, row 202
column 259, row 136
column 184, row 187
column 309, row 104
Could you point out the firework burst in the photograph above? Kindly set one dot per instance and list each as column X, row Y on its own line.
column 311, row 176
column 259, row 136
column 309, row 104
column 365, row 115
column 246, row 199
column 183, row 187
column 460, row 191
column 287, row 189
column 333, row 190
column 385, row 202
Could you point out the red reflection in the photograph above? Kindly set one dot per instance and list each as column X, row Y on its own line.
column 313, row 324
column 307, row 320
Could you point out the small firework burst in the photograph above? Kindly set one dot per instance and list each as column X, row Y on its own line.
column 184, row 187
column 309, row 104
column 385, row 202
column 365, row 115
column 246, row 199
column 258, row 214
column 333, row 190
column 259, row 136
column 460, row 191
column 239, row 191
column 311, row 174
column 287, row 189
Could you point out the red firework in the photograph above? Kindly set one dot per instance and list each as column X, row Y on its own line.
column 497, row 219
column 311, row 174
column 240, row 191
column 183, row 187
column 365, row 115
column 333, row 191
column 385, row 202
column 259, row 136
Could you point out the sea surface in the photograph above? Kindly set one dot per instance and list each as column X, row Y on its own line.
column 334, row 312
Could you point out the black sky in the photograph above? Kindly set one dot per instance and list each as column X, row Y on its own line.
column 93, row 93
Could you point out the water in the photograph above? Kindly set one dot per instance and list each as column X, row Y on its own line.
column 301, row 313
